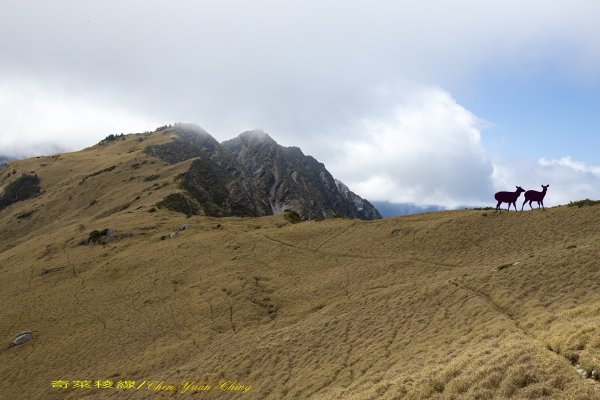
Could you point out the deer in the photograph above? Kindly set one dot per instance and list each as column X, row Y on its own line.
column 508, row 197
column 534, row 195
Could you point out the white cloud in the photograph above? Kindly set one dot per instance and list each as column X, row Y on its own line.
column 428, row 151
column 296, row 69
column 569, row 180
column 570, row 164
column 42, row 120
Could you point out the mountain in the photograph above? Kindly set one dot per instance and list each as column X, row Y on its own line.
column 290, row 179
column 252, row 175
column 389, row 209
column 4, row 160
column 363, row 206
column 99, row 286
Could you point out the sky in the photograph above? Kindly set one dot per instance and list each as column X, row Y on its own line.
column 428, row 102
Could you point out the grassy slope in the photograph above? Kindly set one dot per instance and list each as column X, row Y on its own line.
column 409, row 307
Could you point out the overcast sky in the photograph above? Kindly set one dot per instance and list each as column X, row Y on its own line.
column 431, row 102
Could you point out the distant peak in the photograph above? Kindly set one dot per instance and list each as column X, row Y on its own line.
column 189, row 127
column 256, row 135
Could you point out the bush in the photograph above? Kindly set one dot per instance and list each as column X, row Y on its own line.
column 23, row 188
column 95, row 235
column 162, row 128
column 112, row 137
column 581, row 203
column 104, row 236
column 151, row 178
column 111, row 168
column 25, row 214
column 180, row 203
column 291, row 216
column 504, row 266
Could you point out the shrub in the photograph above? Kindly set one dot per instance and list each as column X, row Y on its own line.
column 103, row 236
column 162, row 128
column 112, row 137
column 23, row 188
column 95, row 235
column 98, row 173
column 180, row 203
column 151, row 178
column 581, row 203
column 25, row 214
column 291, row 216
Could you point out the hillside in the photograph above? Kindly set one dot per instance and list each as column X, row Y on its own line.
column 445, row 305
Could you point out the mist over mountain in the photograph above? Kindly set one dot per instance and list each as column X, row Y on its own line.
column 389, row 209
column 4, row 160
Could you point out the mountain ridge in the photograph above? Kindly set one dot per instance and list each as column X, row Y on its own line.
column 146, row 171
column 260, row 176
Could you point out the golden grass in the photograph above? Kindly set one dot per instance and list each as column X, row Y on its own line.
column 404, row 308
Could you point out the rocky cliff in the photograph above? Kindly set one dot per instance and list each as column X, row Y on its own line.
column 252, row 175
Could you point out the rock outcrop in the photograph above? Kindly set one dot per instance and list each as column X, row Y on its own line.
column 252, row 175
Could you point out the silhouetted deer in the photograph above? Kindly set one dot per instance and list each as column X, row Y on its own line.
column 508, row 197
column 533, row 195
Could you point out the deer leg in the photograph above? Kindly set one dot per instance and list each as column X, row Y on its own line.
column 530, row 201
column 498, row 205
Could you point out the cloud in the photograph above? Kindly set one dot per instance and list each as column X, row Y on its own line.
column 569, row 164
column 569, row 180
column 427, row 151
column 42, row 120
column 296, row 69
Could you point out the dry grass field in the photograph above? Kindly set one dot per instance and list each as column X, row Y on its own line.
column 446, row 305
